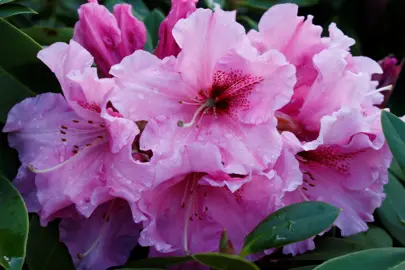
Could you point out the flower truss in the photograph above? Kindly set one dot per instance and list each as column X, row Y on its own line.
column 215, row 130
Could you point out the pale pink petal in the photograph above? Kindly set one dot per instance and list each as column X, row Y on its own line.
column 104, row 239
column 64, row 58
column 180, row 9
column 133, row 31
column 149, row 87
column 338, row 39
column 198, row 36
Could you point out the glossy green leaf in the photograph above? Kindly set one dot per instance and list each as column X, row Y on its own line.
column 14, row 9
column 372, row 259
column 2, row 2
column 45, row 251
column 48, row 36
column 152, row 23
column 13, row 226
column 394, row 131
column 291, row 224
column 19, row 59
column 159, row 262
column 11, row 92
column 392, row 211
column 224, row 261
column 330, row 247
column 396, row 170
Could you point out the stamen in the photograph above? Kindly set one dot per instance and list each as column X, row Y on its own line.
column 379, row 90
column 189, row 103
column 188, row 217
column 81, row 256
column 210, row 103
column 77, row 153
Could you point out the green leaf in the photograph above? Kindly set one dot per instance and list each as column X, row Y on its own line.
column 19, row 59
column 152, row 23
column 158, row 262
column 394, row 131
column 13, row 226
column 214, row 3
column 48, row 36
column 373, row 259
column 11, row 92
column 2, row 2
column 224, row 261
column 45, row 251
column 248, row 23
column 330, row 247
column 291, row 224
column 396, row 170
column 9, row 161
column 14, row 9
column 392, row 211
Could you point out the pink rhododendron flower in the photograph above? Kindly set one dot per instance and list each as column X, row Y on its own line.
column 221, row 93
column 167, row 45
column 78, row 151
column 336, row 134
column 109, row 37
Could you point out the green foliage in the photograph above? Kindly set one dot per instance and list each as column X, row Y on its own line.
column 48, row 36
column 152, row 23
column 44, row 250
column 19, row 60
column 14, row 9
column 158, row 262
column 13, row 226
column 374, row 259
column 291, row 224
column 331, row 247
column 224, row 261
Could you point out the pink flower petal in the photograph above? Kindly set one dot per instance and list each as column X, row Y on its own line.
column 104, row 239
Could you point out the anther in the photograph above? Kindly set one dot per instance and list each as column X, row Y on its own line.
column 63, row 132
column 63, row 140
column 76, row 121
column 90, row 122
column 64, row 127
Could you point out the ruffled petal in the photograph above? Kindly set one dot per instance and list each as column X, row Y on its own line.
column 198, row 37
column 104, row 239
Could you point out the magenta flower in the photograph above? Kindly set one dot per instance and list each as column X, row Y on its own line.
column 167, row 45
column 109, row 37
column 333, row 126
column 78, row 150
column 223, row 94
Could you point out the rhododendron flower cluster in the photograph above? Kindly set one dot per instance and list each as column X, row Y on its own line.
column 216, row 129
